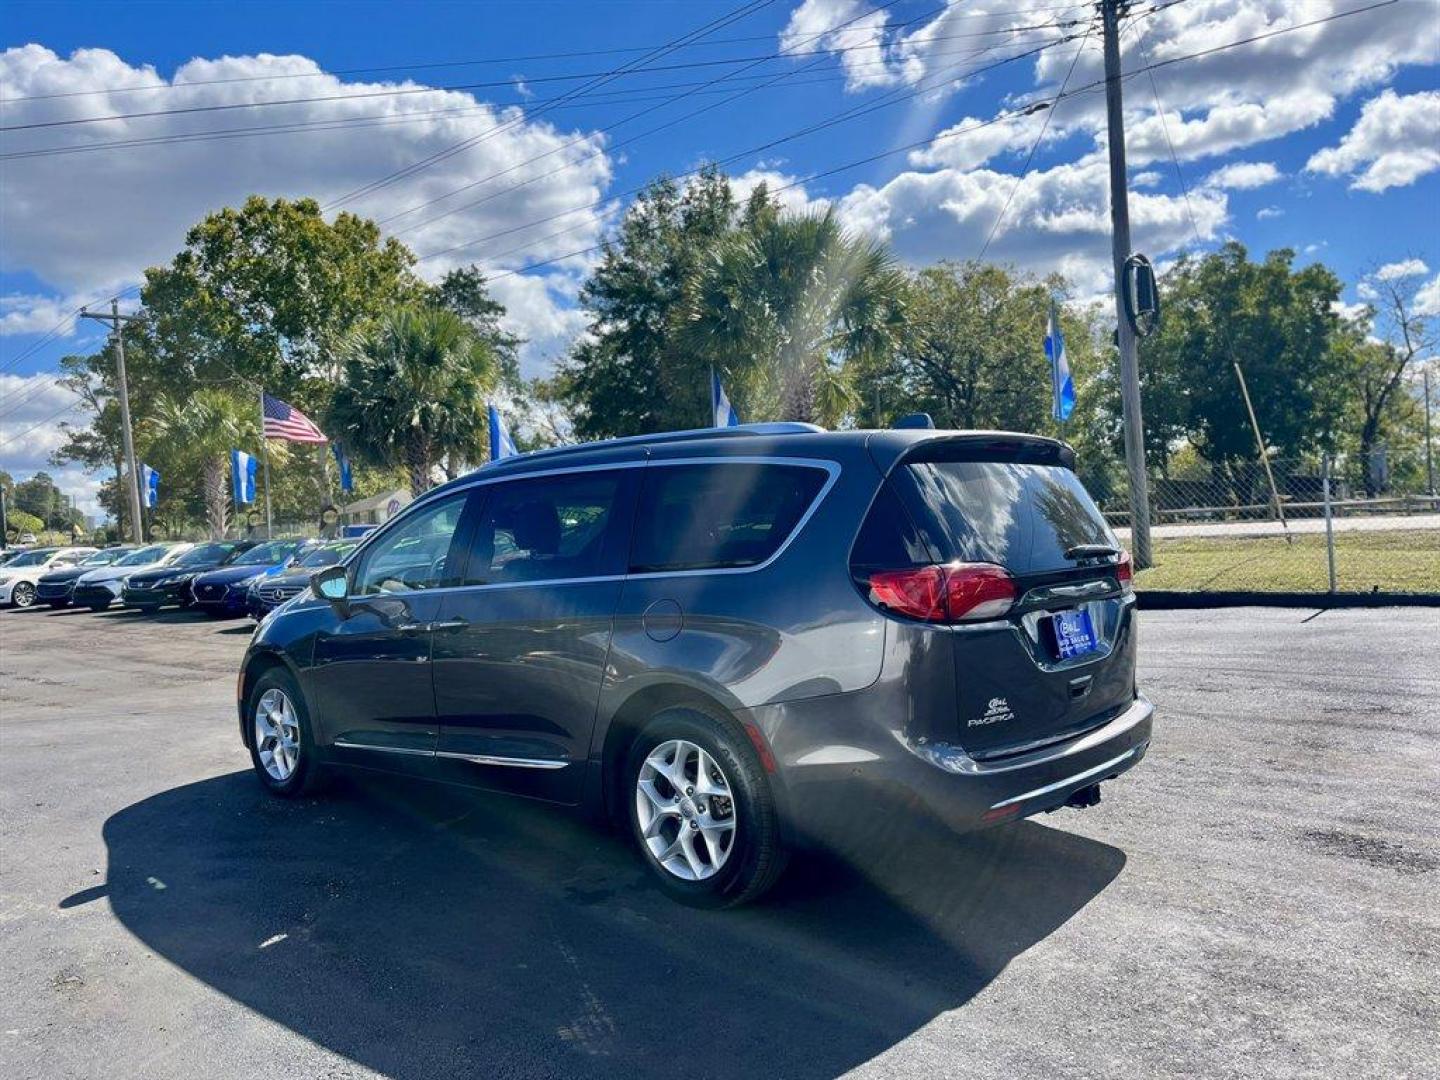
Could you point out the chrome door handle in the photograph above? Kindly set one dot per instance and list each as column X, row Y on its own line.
column 451, row 624
column 411, row 627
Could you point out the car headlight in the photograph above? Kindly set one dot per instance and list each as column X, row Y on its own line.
column 4, row 581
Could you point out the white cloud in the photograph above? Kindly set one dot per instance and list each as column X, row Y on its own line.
column 82, row 223
column 1350, row 311
column 1148, row 179
column 35, row 409
column 1058, row 219
column 1265, row 213
column 1244, row 175
column 861, row 36
column 1402, row 269
column 1394, row 143
column 793, row 198
column 1427, row 298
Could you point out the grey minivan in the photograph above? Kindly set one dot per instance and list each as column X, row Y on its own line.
column 731, row 642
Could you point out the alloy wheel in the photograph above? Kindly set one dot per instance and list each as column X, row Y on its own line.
column 685, row 809
column 24, row 594
column 277, row 734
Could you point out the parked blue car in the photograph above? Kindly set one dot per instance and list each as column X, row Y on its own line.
column 221, row 592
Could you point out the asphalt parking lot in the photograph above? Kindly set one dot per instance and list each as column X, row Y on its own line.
column 1259, row 898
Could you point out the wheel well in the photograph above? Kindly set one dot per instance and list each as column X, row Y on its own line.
column 262, row 663
column 628, row 722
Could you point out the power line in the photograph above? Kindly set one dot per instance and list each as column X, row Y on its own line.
column 590, row 86
column 774, row 79
column 998, row 118
column 522, row 58
column 1030, row 157
column 849, row 114
column 632, row 95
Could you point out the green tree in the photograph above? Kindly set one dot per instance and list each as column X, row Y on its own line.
column 267, row 294
column 414, row 392
column 465, row 292
column 196, row 435
column 1279, row 323
column 785, row 302
column 39, row 497
column 630, row 374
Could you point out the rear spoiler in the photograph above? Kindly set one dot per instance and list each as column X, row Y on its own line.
column 1009, row 446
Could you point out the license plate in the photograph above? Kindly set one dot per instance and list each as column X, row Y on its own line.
column 1074, row 634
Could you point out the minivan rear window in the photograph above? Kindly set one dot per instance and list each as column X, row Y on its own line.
column 1020, row 514
column 718, row 515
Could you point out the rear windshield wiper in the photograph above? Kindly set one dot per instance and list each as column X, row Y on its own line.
column 1091, row 551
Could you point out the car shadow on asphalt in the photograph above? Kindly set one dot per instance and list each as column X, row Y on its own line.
column 422, row 930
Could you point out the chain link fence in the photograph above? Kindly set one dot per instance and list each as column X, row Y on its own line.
column 1302, row 526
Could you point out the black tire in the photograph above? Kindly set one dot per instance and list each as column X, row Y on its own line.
column 757, row 857
column 309, row 775
column 22, row 595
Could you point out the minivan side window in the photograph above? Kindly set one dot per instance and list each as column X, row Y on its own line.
column 718, row 515
column 547, row 529
column 414, row 554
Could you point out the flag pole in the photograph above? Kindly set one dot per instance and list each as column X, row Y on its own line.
column 265, row 456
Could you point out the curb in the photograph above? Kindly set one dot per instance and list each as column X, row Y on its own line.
column 1159, row 599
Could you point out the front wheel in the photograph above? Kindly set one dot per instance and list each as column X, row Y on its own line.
column 23, row 595
column 282, row 749
column 701, row 810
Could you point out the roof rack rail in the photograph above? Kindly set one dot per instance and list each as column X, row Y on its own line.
column 740, row 430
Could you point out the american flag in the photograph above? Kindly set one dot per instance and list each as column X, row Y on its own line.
column 287, row 422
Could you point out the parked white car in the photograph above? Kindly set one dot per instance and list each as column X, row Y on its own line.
column 100, row 588
column 19, row 575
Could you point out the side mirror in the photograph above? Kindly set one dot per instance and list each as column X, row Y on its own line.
column 333, row 584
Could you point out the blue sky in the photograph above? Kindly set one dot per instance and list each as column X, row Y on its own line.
column 1325, row 139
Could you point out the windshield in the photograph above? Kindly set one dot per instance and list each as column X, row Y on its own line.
column 269, row 554
column 143, row 555
column 104, row 558
column 30, row 558
column 328, row 555
column 205, row 553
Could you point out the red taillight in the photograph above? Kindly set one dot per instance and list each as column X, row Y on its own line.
column 1124, row 573
column 953, row 593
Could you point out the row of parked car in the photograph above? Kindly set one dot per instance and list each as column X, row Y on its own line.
column 221, row 578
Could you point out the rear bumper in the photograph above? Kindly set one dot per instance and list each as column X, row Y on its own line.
column 853, row 782
column 5, row 591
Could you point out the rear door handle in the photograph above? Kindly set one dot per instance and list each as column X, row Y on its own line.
column 450, row 624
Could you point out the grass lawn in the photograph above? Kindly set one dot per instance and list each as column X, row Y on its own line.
column 1400, row 561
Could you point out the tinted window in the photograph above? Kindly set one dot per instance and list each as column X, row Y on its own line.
column 1021, row 515
column 327, row 555
column 546, row 529
column 889, row 539
column 705, row 517
column 268, row 554
column 144, row 556
column 205, row 553
column 414, row 554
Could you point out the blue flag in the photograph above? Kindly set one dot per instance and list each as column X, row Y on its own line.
column 149, row 486
column 1061, row 382
column 242, row 477
column 347, row 482
column 724, row 413
column 501, row 444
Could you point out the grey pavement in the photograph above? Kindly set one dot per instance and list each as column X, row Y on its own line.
column 1257, row 899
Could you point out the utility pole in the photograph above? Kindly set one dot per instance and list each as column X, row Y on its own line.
column 117, row 323
column 1110, row 12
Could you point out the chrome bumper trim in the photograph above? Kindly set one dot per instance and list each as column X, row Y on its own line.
column 512, row 762
column 953, row 759
column 1077, row 778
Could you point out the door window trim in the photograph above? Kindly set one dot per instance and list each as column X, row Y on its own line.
column 832, row 469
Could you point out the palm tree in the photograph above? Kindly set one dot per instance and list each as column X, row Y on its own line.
column 414, row 392
column 785, row 302
column 202, row 430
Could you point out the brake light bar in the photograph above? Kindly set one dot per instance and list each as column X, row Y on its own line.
column 1125, row 573
column 954, row 592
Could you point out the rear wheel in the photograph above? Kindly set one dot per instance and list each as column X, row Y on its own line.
column 701, row 810
column 282, row 750
column 23, row 595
